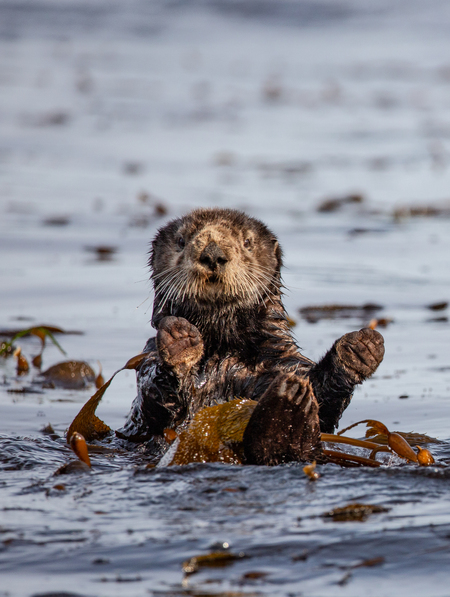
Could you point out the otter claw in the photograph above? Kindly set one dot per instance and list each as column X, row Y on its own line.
column 360, row 353
column 179, row 344
column 284, row 425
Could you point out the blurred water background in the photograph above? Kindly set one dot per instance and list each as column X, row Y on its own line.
column 328, row 120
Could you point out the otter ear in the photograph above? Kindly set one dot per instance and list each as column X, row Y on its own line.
column 277, row 251
column 276, row 248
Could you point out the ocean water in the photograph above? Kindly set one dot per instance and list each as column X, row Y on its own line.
column 116, row 117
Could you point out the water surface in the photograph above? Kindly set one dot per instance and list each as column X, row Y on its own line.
column 115, row 118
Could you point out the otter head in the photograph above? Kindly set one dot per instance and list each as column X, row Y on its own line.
column 216, row 259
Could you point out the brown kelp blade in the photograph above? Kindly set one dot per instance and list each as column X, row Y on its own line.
column 41, row 332
column 345, row 459
column 399, row 443
column 310, row 471
column 215, row 434
column 342, row 439
column 78, row 445
column 99, row 380
column 72, row 375
column 22, row 363
column 424, row 457
column 86, row 422
column 401, row 447
column 372, row 424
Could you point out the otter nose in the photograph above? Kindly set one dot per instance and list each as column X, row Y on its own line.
column 212, row 256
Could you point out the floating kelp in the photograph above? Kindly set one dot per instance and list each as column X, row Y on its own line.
column 103, row 252
column 41, row 331
column 337, row 203
column 424, row 457
column 216, row 433
column 74, row 466
column 399, row 443
column 382, row 322
column 353, row 512
column 78, row 445
column 66, row 374
column 71, row 375
column 431, row 210
column 313, row 314
column 22, row 364
column 439, row 306
column 211, row 560
column 310, row 471
column 86, row 422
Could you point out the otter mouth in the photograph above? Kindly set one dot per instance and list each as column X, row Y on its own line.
column 213, row 279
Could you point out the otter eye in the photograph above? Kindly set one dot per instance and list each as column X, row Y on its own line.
column 247, row 243
column 181, row 242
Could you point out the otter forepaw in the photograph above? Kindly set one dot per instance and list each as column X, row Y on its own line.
column 179, row 344
column 284, row 426
column 360, row 353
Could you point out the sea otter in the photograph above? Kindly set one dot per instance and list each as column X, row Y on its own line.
column 222, row 333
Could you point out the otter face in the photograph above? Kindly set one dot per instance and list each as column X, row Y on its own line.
column 215, row 256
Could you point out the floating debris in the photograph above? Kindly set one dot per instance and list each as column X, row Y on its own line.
column 170, row 435
column 397, row 442
column 133, row 168
column 421, row 211
column 99, row 380
column 334, row 204
column 56, row 118
column 72, row 375
column 78, row 445
column 216, row 559
column 424, row 457
column 59, row 487
column 291, row 322
column 74, row 466
column 256, row 575
column 103, row 252
column 272, row 91
column 57, row 221
column 48, row 430
column 310, row 471
column 288, row 169
column 355, row 512
column 22, row 364
column 86, row 422
column 383, row 322
column 6, row 349
column 37, row 361
column 346, row 459
column 438, row 306
column 369, row 563
column 224, row 159
column 215, row 434
column 313, row 314
column 41, row 331
column 160, row 209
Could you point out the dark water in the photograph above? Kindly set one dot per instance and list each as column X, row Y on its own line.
column 115, row 117
column 127, row 529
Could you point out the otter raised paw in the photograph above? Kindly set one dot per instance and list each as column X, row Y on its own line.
column 360, row 353
column 351, row 360
column 179, row 344
column 284, row 426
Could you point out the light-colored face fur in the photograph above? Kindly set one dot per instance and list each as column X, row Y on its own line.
column 215, row 256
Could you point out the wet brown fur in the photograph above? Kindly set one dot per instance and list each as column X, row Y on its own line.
column 223, row 333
